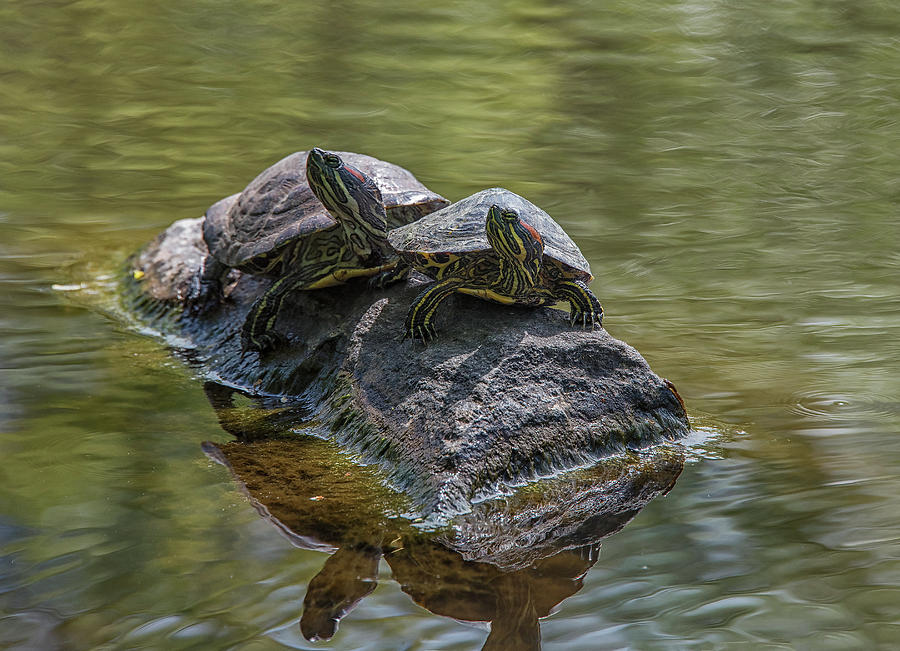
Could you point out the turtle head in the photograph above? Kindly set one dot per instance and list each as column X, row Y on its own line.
column 518, row 244
column 349, row 195
column 336, row 183
column 320, row 158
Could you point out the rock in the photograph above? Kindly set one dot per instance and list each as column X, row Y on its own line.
column 504, row 395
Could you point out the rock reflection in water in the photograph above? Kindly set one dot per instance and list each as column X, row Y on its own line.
column 509, row 562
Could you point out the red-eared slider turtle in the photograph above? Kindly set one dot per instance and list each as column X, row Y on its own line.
column 311, row 220
column 501, row 247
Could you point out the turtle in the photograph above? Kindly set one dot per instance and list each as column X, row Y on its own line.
column 498, row 246
column 314, row 219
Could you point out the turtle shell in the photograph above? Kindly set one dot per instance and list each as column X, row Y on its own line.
column 279, row 206
column 460, row 229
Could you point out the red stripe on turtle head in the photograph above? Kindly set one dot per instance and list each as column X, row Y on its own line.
column 533, row 232
column 355, row 172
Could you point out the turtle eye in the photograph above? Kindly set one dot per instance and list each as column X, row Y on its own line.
column 332, row 161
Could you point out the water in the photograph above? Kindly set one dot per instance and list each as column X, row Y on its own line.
column 730, row 171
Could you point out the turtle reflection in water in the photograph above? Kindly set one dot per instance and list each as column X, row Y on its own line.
column 480, row 569
column 278, row 228
column 498, row 246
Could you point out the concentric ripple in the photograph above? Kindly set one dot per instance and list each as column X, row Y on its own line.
column 843, row 406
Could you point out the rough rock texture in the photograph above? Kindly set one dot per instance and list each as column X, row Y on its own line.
column 504, row 395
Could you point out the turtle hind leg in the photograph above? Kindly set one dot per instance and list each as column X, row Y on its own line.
column 584, row 307
column 389, row 277
column 207, row 287
column 420, row 318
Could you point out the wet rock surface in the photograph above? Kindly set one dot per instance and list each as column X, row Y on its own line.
column 504, row 395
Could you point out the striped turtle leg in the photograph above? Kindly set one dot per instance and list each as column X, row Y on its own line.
column 382, row 279
column 258, row 331
column 584, row 306
column 420, row 318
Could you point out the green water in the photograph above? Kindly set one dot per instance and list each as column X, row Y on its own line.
column 729, row 169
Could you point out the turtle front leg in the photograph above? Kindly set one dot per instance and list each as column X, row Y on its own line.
column 583, row 305
column 420, row 318
column 258, row 333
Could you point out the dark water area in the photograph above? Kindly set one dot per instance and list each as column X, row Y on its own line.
column 730, row 170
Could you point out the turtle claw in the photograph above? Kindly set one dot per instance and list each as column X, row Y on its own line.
column 586, row 318
column 424, row 333
column 577, row 316
column 260, row 343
